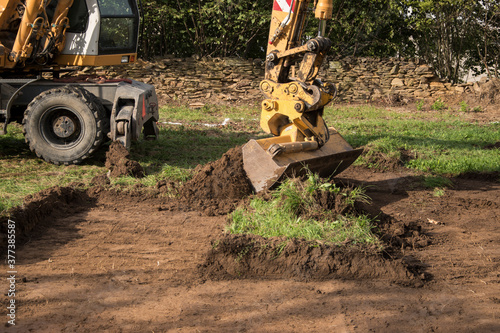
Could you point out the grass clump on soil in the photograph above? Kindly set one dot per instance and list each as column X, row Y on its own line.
column 311, row 209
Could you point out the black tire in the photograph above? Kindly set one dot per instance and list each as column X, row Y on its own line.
column 64, row 125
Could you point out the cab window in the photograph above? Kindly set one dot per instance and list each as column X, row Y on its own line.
column 78, row 16
column 119, row 25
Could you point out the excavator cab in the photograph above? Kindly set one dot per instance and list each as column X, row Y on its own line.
column 295, row 99
column 102, row 32
column 68, row 33
column 67, row 119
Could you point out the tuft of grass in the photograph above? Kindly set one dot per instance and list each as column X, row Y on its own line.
column 439, row 192
column 437, row 182
column 464, row 107
column 420, row 105
column 438, row 105
column 294, row 211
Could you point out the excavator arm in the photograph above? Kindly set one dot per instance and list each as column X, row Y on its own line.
column 39, row 28
column 292, row 110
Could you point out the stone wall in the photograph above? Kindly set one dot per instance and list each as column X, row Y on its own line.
column 367, row 79
column 193, row 80
column 198, row 81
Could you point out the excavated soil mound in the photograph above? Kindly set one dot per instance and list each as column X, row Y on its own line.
column 53, row 202
column 217, row 187
column 248, row 256
column 119, row 163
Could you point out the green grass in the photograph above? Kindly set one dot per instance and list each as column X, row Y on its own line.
column 22, row 173
column 295, row 212
column 445, row 145
column 212, row 115
column 434, row 182
column 178, row 150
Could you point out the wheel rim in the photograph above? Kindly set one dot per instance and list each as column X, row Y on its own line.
column 62, row 127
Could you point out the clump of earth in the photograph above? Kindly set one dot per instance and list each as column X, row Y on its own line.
column 119, row 163
column 217, row 187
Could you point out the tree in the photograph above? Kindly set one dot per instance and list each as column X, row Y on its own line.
column 216, row 28
column 454, row 35
column 367, row 28
column 487, row 13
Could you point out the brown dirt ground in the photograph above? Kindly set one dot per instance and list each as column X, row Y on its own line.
column 107, row 261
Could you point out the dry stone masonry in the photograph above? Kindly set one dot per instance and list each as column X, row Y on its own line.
column 198, row 81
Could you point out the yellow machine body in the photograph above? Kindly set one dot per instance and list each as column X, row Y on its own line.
column 294, row 104
column 66, row 120
column 37, row 34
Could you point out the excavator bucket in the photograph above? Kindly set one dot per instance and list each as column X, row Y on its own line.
column 266, row 171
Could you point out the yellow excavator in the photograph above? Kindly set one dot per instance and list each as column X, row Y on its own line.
column 65, row 120
column 294, row 104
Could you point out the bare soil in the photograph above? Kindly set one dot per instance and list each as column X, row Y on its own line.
column 119, row 163
column 98, row 260
column 216, row 187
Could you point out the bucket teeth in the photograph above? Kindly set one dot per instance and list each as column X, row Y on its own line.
column 265, row 171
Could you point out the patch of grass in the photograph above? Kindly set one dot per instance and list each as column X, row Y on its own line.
column 437, row 182
column 22, row 173
column 420, row 105
column 445, row 145
column 295, row 212
column 438, row 105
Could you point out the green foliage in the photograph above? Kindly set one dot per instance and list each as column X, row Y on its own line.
column 216, row 28
column 455, row 35
column 438, row 105
column 464, row 107
column 451, row 35
column 420, row 105
column 367, row 28
column 295, row 212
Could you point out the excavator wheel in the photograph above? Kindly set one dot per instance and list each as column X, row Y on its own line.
column 65, row 125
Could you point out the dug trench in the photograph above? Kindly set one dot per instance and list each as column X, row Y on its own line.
column 98, row 259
